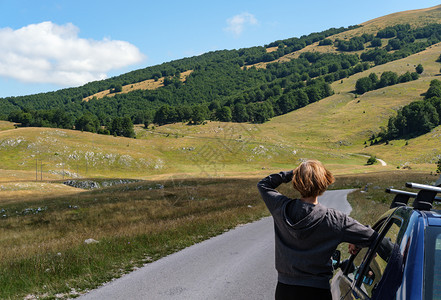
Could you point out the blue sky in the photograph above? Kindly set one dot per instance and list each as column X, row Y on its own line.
column 47, row 45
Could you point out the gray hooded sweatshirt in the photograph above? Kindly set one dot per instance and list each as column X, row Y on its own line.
column 306, row 235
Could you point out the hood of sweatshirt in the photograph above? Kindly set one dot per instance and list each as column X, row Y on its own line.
column 303, row 217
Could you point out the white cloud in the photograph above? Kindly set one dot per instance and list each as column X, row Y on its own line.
column 51, row 53
column 237, row 23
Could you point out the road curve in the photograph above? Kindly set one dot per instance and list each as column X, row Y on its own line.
column 238, row 264
column 382, row 162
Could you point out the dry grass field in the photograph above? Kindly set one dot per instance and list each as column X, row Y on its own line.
column 44, row 243
column 68, row 243
column 149, row 84
column 4, row 125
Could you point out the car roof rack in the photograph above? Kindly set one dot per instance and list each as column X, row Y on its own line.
column 423, row 199
column 426, row 195
column 401, row 198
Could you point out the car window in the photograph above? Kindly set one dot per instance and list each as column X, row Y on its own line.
column 381, row 258
column 432, row 264
column 361, row 254
column 357, row 263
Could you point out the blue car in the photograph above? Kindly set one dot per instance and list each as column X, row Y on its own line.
column 405, row 260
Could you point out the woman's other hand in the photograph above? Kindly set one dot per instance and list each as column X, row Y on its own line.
column 353, row 250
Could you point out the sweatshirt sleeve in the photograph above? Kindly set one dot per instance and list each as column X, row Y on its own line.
column 357, row 234
column 267, row 188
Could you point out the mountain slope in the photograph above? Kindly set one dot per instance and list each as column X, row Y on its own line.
column 333, row 129
column 343, row 122
column 417, row 17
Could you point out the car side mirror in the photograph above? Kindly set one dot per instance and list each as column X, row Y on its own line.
column 369, row 278
column 336, row 256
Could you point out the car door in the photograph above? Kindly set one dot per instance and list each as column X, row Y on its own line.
column 380, row 273
column 362, row 278
column 343, row 281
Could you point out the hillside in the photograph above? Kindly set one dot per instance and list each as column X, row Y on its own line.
column 333, row 129
column 415, row 18
column 150, row 84
column 211, row 85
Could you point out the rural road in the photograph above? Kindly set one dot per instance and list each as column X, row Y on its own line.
column 238, row 264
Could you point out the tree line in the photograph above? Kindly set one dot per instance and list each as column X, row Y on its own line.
column 390, row 43
column 387, row 78
column 416, row 118
column 251, row 95
column 58, row 118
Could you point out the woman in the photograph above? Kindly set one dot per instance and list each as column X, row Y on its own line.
column 307, row 233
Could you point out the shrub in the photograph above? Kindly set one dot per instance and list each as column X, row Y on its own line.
column 371, row 160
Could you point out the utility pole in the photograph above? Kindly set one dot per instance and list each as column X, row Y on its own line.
column 41, row 170
column 36, row 169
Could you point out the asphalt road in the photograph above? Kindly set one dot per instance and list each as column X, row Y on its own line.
column 238, row 264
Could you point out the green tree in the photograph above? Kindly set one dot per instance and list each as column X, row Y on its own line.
column 239, row 113
column 127, row 127
column 374, row 78
column 363, row 85
column 116, row 88
column 200, row 113
column 224, row 114
column 325, row 42
column 438, row 166
column 405, row 77
column 371, row 160
column 116, row 127
column 394, row 44
column 214, row 105
column 301, row 98
column 419, row 69
column 434, row 89
column 376, row 42
column 87, row 122
column 165, row 115
column 143, row 117
column 286, row 103
column 184, row 113
column 313, row 94
column 387, row 78
column 260, row 112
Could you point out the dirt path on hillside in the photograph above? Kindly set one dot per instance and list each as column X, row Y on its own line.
column 382, row 162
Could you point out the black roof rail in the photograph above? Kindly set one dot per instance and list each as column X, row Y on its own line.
column 402, row 197
column 425, row 196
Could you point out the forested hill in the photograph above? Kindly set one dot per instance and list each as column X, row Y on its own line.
column 215, row 78
column 245, row 85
